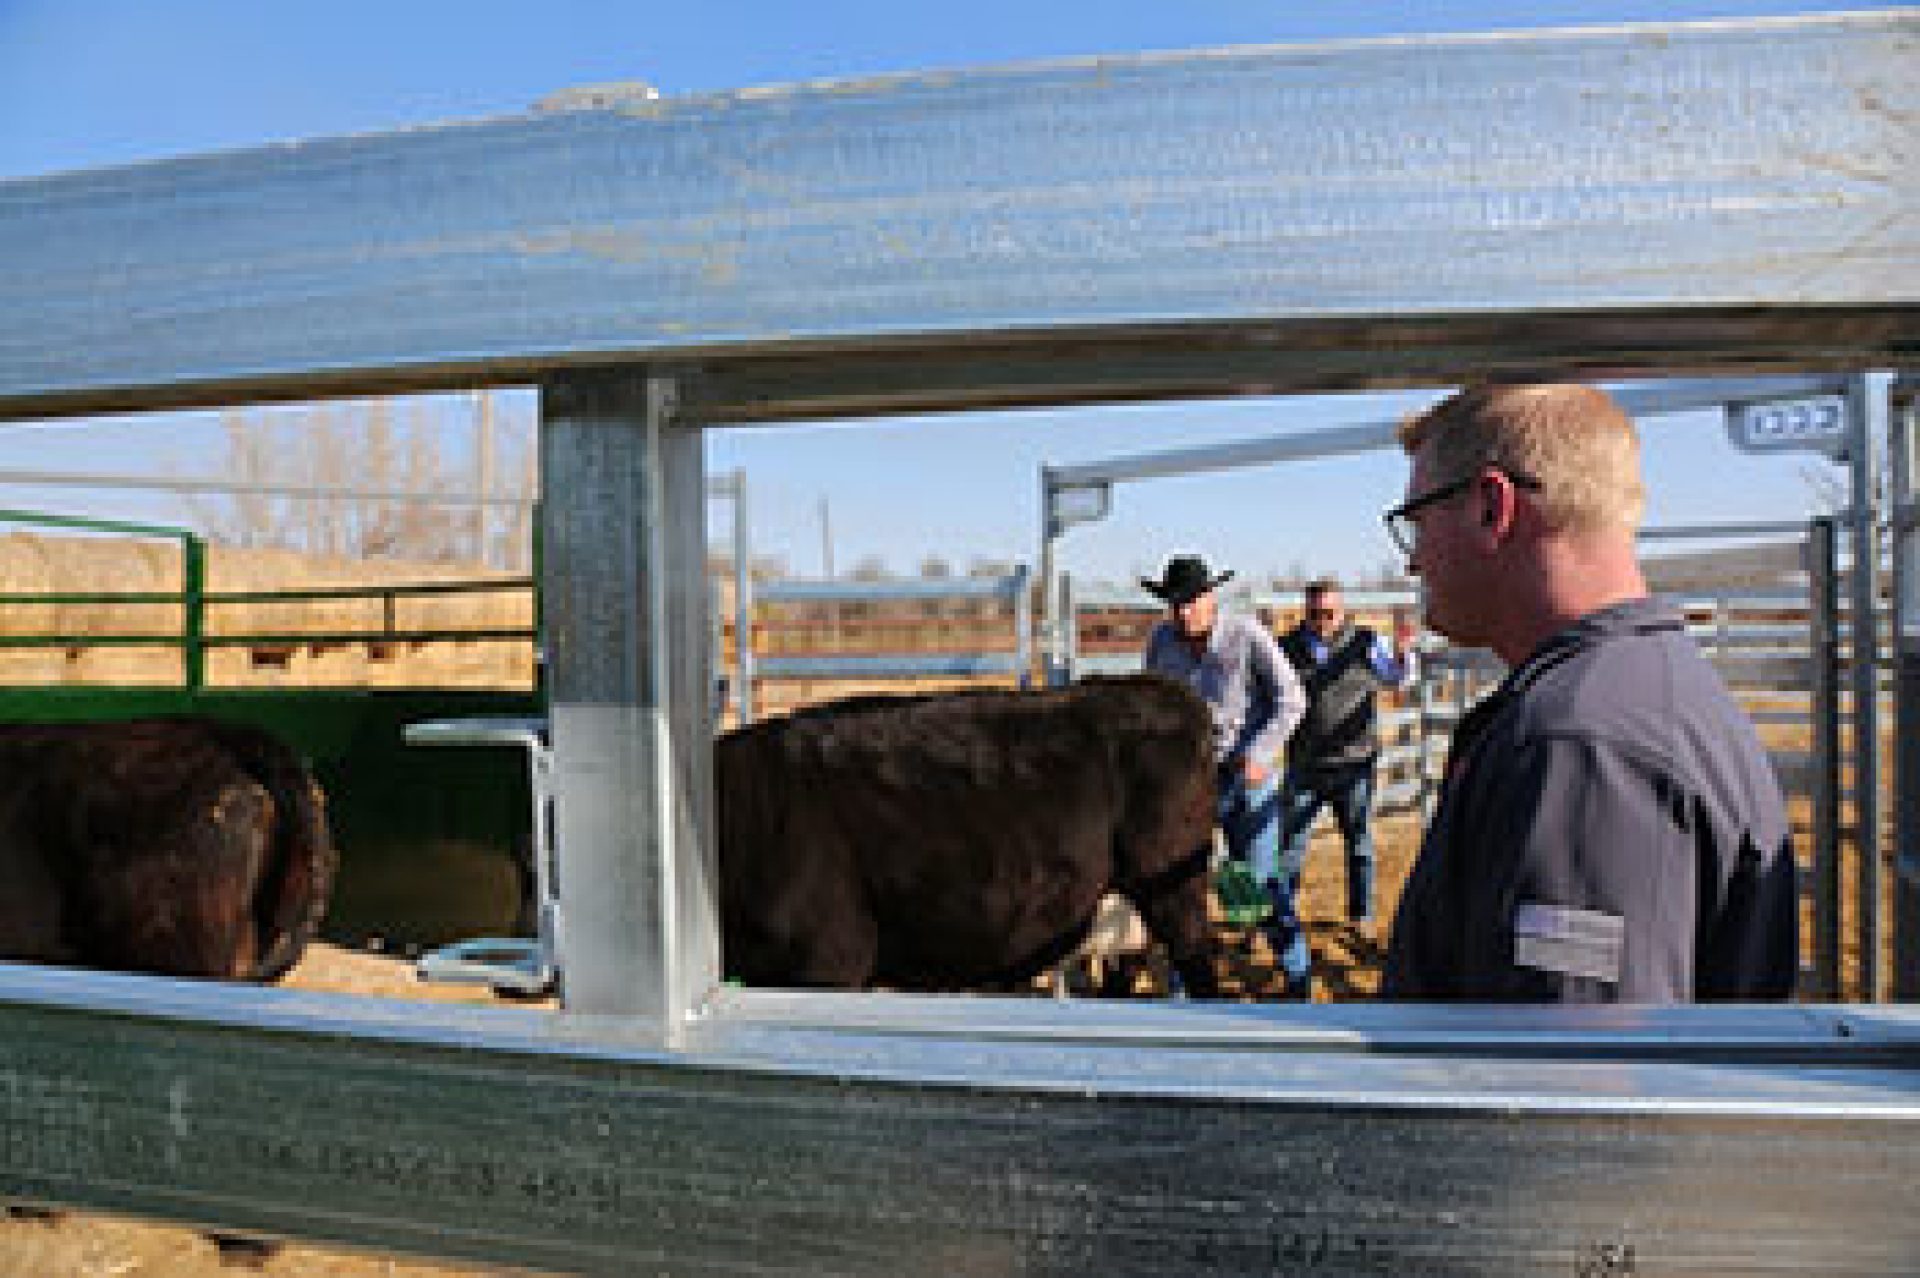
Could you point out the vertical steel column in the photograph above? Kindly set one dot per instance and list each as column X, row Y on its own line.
column 1427, row 708
column 193, row 591
column 1022, row 587
column 743, row 697
column 1069, row 636
column 630, row 677
column 1867, row 395
column 1904, row 450
column 1823, row 654
column 718, row 694
column 1057, row 664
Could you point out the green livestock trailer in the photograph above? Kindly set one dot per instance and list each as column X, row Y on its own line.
column 432, row 842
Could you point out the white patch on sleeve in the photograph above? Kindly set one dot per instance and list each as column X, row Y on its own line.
column 1559, row 938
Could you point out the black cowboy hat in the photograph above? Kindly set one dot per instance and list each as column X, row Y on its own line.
column 1185, row 578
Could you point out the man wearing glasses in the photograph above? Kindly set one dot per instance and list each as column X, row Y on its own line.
column 1332, row 755
column 1250, row 690
column 1609, row 829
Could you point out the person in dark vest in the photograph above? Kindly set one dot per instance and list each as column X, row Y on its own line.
column 1333, row 753
column 1255, row 700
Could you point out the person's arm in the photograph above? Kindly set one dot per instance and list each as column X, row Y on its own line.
column 1267, row 666
column 1592, row 878
column 1395, row 668
column 1396, row 665
column 1151, row 659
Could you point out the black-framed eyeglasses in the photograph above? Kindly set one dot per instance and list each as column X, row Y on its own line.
column 1405, row 530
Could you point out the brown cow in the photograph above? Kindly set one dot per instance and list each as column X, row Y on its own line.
column 180, row 846
column 963, row 840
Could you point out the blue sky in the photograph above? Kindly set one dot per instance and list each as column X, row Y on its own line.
column 85, row 83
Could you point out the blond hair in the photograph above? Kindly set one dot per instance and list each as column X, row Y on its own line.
column 1573, row 440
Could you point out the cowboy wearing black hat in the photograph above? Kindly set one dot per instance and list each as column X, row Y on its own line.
column 1256, row 699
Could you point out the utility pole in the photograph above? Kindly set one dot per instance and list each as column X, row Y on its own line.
column 483, row 473
column 826, row 541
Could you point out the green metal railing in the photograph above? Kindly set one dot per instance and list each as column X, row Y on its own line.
column 193, row 639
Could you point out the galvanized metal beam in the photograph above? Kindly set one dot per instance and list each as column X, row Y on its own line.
column 815, row 1134
column 1868, row 396
column 624, row 618
column 1377, row 213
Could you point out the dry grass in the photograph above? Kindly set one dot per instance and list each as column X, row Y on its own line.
column 51, row 565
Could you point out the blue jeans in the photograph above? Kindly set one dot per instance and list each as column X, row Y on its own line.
column 1348, row 790
column 1250, row 819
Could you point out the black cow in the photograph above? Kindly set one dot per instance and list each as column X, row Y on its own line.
column 180, row 846
column 963, row 840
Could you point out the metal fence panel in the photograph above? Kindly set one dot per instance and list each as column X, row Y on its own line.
column 821, row 1134
column 1543, row 192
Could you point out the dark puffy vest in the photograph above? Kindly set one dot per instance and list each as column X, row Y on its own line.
column 1338, row 727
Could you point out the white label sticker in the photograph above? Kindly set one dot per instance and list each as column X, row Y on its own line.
column 1559, row 938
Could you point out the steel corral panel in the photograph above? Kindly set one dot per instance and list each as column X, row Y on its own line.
column 897, row 666
column 839, row 590
column 969, row 1136
column 1248, row 219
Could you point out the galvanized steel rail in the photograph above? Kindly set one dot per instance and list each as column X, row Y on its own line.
column 848, row 1135
column 1716, row 197
column 1691, row 196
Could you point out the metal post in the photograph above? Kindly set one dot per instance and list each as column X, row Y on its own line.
column 1823, row 654
column 1904, row 449
column 1867, row 395
column 1423, row 734
column 623, row 578
column 483, row 471
column 1068, row 622
column 743, row 698
column 1053, row 647
column 719, row 695
column 193, row 591
column 1022, row 585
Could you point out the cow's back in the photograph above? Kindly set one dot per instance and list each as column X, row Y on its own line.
column 942, row 841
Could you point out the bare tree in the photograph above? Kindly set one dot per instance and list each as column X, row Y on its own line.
column 376, row 445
